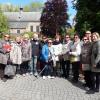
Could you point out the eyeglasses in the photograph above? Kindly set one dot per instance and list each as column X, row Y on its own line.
column 85, row 39
column 67, row 37
column 76, row 37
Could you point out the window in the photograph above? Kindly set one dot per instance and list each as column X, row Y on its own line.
column 37, row 29
column 18, row 31
column 31, row 28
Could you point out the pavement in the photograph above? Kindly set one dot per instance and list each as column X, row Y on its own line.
column 31, row 88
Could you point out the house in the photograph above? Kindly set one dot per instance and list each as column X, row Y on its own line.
column 20, row 22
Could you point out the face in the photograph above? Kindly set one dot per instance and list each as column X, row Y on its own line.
column 18, row 39
column 94, row 37
column 76, row 38
column 6, row 37
column 67, row 38
column 44, row 39
column 49, row 43
column 85, row 40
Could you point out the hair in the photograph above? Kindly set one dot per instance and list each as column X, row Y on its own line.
column 77, row 35
column 97, row 34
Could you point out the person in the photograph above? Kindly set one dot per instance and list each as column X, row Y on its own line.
column 86, row 61
column 26, row 54
column 95, row 59
column 58, row 55
column 88, row 35
column 16, row 54
column 51, row 58
column 44, row 59
column 75, row 52
column 65, row 51
column 5, row 48
column 35, row 54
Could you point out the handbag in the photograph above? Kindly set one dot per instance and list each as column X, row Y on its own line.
column 9, row 70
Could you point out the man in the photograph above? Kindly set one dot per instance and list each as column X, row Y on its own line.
column 35, row 54
column 65, row 51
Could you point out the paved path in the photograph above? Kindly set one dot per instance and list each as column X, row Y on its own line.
column 30, row 88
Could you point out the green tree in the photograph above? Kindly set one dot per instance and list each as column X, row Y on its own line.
column 88, row 15
column 3, row 23
column 54, row 17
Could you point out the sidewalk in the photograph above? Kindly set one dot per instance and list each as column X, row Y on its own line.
column 30, row 88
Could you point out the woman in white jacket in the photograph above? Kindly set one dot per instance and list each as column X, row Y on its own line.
column 15, row 53
column 75, row 57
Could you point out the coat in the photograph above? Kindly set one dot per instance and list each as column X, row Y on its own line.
column 15, row 53
column 95, row 57
column 26, row 51
column 45, row 53
column 75, row 52
column 4, row 55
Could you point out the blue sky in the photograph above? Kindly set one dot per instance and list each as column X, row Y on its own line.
column 71, row 11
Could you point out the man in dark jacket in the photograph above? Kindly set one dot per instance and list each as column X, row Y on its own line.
column 35, row 54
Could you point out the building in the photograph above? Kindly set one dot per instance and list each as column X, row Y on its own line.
column 20, row 22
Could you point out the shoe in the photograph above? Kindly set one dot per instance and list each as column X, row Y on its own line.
column 52, row 77
column 31, row 73
column 96, row 90
column 44, row 77
column 49, row 77
column 24, row 75
column 91, row 91
column 35, row 74
column 4, row 79
column 27, row 74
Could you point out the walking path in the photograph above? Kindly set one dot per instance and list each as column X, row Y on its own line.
column 30, row 88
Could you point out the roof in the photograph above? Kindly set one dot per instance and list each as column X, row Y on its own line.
column 23, row 16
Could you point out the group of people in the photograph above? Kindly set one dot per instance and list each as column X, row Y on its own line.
column 23, row 55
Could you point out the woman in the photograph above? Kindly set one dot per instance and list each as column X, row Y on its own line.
column 86, row 60
column 75, row 57
column 16, row 54
column 95, row 59
column 26, row 54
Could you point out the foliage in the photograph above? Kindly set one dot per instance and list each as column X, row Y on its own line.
column 3, row 23
column 88, row 15
column 34, row 6
column 29, row 33
column 54, row 17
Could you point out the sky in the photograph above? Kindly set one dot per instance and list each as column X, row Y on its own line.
column 71, row 11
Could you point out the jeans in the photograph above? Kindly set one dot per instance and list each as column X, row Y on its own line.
column 33, row 64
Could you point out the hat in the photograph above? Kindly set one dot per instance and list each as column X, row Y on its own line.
column 88, row 32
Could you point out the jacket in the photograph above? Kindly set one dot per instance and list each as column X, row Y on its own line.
column 95, row 57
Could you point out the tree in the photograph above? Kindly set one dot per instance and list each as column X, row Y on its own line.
column 3, row 23
column 54, row 17
column 88, row 15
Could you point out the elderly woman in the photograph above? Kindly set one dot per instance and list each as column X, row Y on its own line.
column 15, row 53
column 26, row 54
column 86, row 60
column 95, row 60
column 75, row 52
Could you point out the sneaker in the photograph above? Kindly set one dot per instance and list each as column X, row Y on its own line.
column 44, row 77
column 49, row 77
column 31, row 73
column 27, row 74
column 35, row 74
column 24, row 75
column 52, row 77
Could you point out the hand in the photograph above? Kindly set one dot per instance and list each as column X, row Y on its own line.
column 94, row 66
column 70, row 53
